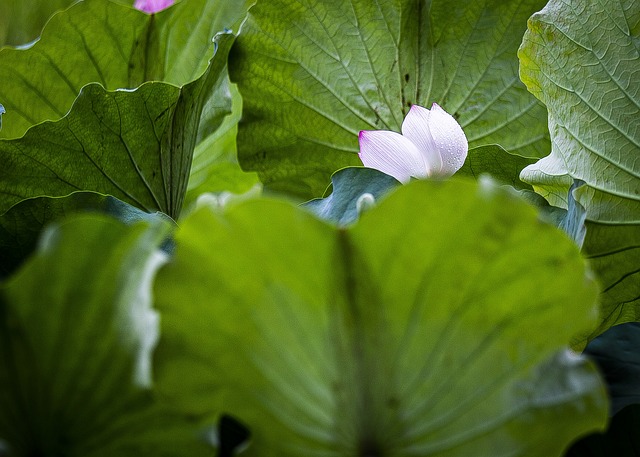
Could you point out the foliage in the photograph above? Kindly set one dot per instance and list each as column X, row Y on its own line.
column 22, row 20
column 581, row 59
column 147, row 308
column 77, row 334
column 338, row 347
column 313, row 74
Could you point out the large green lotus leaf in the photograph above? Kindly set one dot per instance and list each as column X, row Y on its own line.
column 135, row 145
column 581, row 58
column 22, row 20
column 21, row 226
column 614, row 254
column 432, row 326
column 113, row 45
column 313, row 74
column 78, row 332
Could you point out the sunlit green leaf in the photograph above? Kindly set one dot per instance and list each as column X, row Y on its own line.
column 430, row 327
column 215, row 165
column 313, row 74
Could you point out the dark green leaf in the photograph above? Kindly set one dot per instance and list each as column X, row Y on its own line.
column 21, row 226
column 77, row 333
column 134, row 145
column 313, row 74
column 613, row 251
column 620, row 440
column 493, row 160
column 617, row 353
column 614, row 254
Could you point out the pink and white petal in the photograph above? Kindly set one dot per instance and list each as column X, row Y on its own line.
column 152, row 6
column 415, row 127
column 450, row 140
column 391, row 153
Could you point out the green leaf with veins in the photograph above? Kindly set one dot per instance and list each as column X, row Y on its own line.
column 313, row 74
column 494, row 161
column 135, row 145
column 113, row 45
column 432, row 326
column 614, row 254
column 77, row 333
column 582, row 59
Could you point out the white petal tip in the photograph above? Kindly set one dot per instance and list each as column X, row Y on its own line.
column 450, row 140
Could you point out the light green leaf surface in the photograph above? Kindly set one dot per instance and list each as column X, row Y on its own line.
column 313, row 74
column 215, row 165
column 77, row 333
column 22, row 225
column 582, row 59
column 135, row 145
column 427, row 328
column 22, row 20
column 113, row 45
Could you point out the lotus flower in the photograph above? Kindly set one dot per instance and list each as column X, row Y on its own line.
column 432, row 144
column 152, row 6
